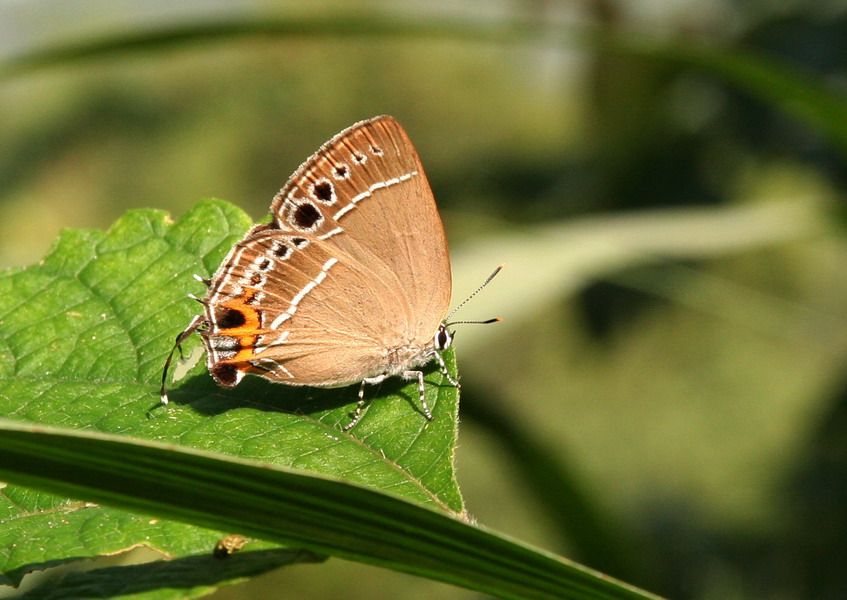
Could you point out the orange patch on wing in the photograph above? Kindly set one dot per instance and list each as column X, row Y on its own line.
column 247, row 330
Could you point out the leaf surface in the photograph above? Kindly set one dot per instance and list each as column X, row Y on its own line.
column 83, row 337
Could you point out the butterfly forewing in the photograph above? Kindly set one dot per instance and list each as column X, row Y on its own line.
column 352, row 272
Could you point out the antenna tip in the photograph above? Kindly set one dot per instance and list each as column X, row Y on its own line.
column 493, row 274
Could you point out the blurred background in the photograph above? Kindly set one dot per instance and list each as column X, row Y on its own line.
column 666, row 399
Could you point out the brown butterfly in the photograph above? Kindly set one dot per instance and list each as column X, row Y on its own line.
column 349, row 283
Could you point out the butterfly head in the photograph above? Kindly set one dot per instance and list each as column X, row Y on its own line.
column 443, row 338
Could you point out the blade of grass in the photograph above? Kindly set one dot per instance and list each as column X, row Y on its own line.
column 316, row 513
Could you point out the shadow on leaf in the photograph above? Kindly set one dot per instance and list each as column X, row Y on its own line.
column 201, row 394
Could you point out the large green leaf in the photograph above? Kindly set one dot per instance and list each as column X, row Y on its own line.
column 83, row 336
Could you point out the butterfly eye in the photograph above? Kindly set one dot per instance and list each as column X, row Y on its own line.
column 443, row 338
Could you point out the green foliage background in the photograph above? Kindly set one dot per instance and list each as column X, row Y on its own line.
column 665, row 399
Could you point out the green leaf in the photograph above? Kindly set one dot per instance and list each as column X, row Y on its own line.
column 83, row 337
column 291, row 507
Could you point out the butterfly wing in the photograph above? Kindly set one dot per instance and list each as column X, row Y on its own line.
column 353, row 267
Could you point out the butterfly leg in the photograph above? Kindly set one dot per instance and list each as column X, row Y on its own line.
column 362, row 403
column 443, row 368
column 408, row 375
column 195, row 324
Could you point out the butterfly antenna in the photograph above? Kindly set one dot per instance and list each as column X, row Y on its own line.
column 485, row 322
column 469, row 298
column 192, row 327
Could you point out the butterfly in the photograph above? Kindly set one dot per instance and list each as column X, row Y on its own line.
column 349, row 282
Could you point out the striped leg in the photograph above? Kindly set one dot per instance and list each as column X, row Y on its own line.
column 362, row 403
column 443, row 368
column 409, row 375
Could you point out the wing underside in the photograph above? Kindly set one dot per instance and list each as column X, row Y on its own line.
column 354, row 265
